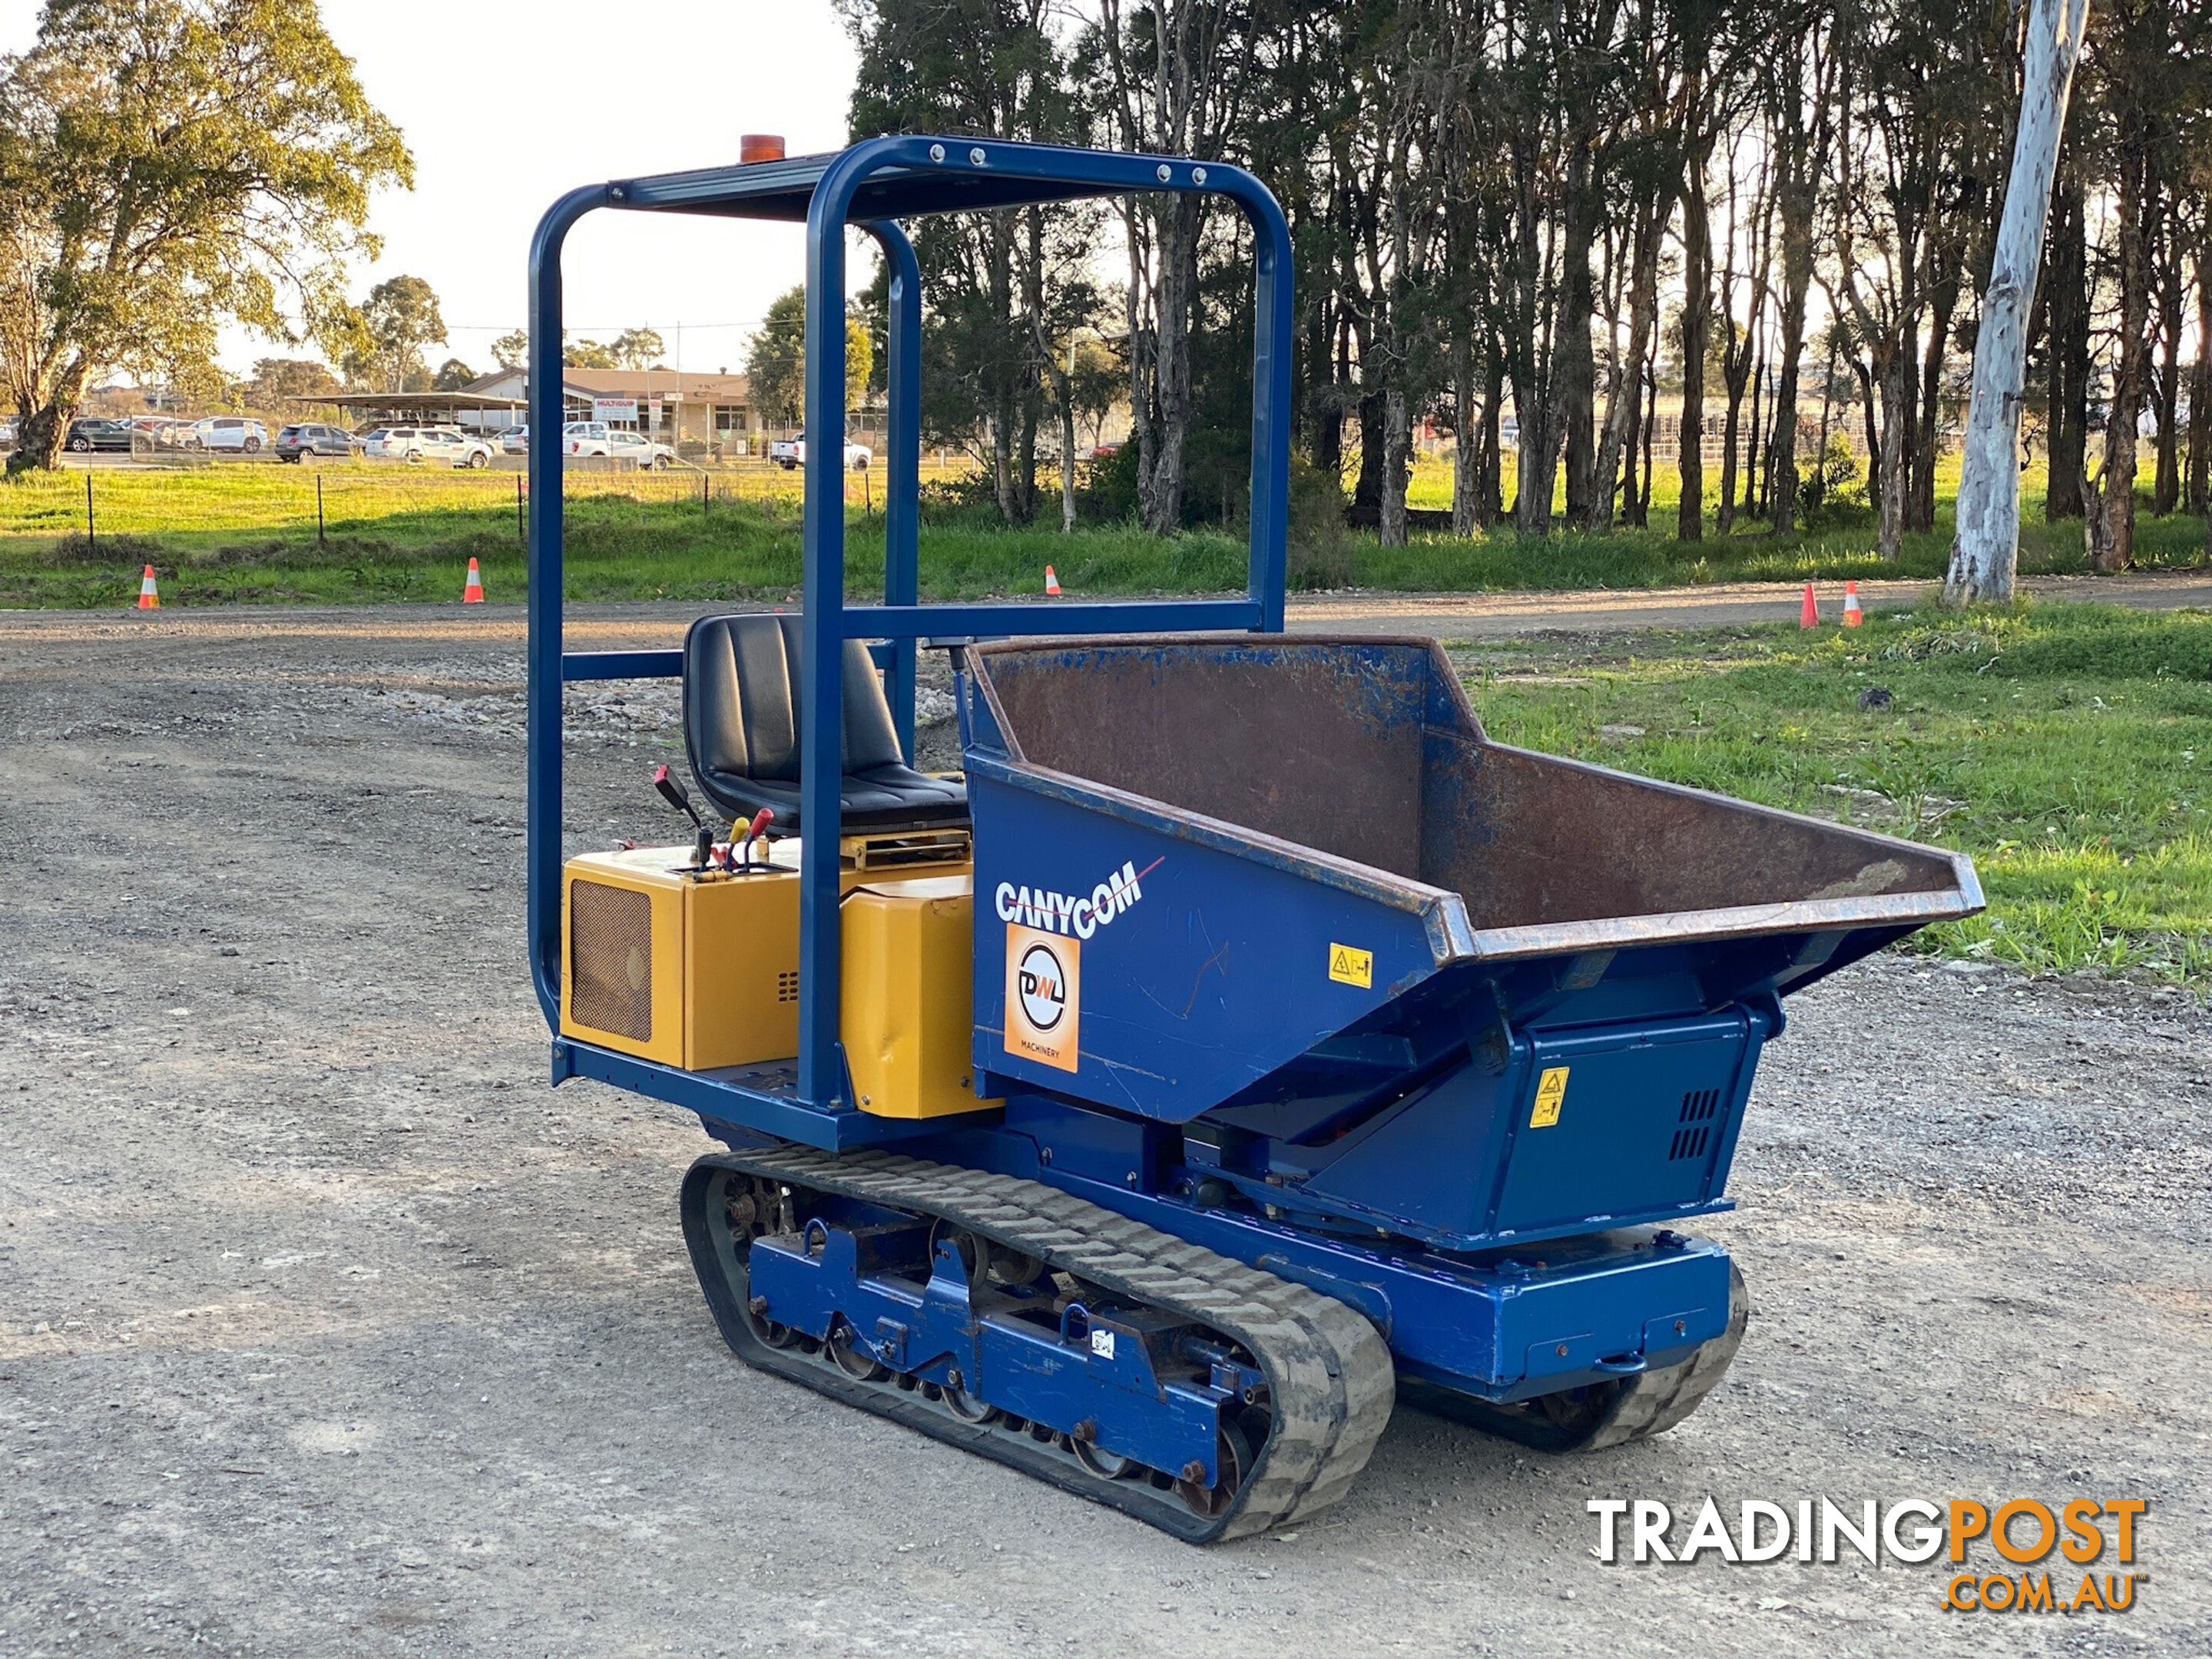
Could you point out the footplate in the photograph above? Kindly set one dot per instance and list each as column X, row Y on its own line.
column 1208, row 1398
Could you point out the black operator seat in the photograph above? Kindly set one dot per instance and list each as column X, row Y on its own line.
column 741, row 703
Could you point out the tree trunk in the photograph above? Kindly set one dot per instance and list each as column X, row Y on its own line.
column 1466, row 443
column 1575, row 382
column 1755, row 496
column 40, row 434
column 1650, row 426
column 2067, row 418
column 1796, row 203
column 1490, row 495
column 1536, row 449
column 1894, row 377
column 1869, row 403
column 1986, row 549
column 1731, row 436
column 1397, row 450
column 1697, row 321
column 2166, row 484
column 1624, row 399
column 1817, row 490
column 1927, row 419
column 1063, row 392
column 1367, row 491
column 2200, row 388
column 1159, row 364
column 2110, row 530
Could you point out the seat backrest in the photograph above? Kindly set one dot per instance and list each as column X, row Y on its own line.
column 741, row 700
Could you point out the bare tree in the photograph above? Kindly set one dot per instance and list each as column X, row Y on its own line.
column 1986, row 552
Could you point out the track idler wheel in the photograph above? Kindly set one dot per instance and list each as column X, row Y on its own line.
column 1232, row 1457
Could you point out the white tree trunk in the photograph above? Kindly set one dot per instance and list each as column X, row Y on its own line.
column 1986, row 551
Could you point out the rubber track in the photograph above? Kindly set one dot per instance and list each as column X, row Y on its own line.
column 1330, row 1377
column 1656, row 1401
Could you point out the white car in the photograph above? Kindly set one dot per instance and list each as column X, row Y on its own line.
column 417, row 444
column 229, row 432
column 790, row 453
column 515, row 441
column 615, row 442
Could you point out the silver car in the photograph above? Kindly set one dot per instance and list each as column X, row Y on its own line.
column 418, row 444
column 232, row 432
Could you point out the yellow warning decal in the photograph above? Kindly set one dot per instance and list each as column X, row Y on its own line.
column 1349, row 967
column 1551, row 1093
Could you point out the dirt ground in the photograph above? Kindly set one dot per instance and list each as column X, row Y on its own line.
column 327, row 1328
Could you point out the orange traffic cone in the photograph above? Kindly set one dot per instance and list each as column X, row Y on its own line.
column 1851, row 618
column 1808, row 614
column 148, row 598
column 1051, row 584
column 473, row 593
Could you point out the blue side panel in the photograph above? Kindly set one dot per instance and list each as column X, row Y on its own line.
column 1213, row 970
column 1644, row 1128
column 1637, row 1130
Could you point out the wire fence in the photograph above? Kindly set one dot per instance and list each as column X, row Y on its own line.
column 333, row 498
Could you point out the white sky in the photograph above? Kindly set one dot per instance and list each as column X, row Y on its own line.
column 509, row 104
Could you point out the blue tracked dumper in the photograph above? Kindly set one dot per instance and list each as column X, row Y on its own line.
column 1239, row 1042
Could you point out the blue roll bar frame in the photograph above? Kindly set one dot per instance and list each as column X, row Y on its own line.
column 871, row 185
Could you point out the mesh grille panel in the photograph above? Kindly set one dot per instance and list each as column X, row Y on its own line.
column 610, row 938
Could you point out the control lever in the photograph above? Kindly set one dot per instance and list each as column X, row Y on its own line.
column 673, row 792
column 753, row 832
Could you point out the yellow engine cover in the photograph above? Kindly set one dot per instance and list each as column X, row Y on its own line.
column 907, row 1016
column 702, row 971
column 662, row 964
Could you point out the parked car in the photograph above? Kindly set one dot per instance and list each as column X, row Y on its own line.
column 6, row 431
column 427, row 443
column 306, row 442
column 515, row 441
column 452, row 446
column 790, row 453
column 618, row 443
column 230, row 432
column 87, row 435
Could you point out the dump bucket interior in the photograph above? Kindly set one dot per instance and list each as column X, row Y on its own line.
column 1367, row 748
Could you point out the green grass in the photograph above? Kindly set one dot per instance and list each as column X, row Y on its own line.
column 2067, row 748
column 229, row 533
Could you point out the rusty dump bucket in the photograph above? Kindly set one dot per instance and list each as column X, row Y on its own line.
column 1290, row 790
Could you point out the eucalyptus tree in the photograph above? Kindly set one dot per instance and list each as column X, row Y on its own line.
column 167, row 166
column 1170, row 77
column 1987, row 549
column 985, row 68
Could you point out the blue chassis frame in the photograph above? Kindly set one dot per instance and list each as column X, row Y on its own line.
column 1494, row 1325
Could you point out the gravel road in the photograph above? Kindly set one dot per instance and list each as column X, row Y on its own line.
column 327, row 1328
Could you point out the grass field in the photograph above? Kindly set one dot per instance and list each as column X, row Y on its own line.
column 229, row 533
column 2067, row 748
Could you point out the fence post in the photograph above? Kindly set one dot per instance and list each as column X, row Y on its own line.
column 521, row 514
column 91, row 535
column 702, row 492
column 320, row 535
